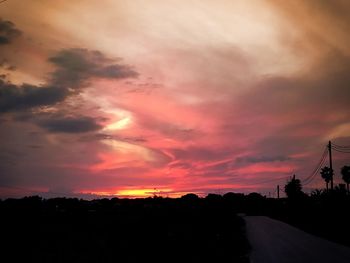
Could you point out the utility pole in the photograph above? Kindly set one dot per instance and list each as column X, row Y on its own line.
column 278, row 192
column 330, row 162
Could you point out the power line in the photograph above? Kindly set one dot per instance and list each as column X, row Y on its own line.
column 345, row 149
column 309, row 180
column 318, row 166
column 341, row 151
column 315, row 174
column 340, row 146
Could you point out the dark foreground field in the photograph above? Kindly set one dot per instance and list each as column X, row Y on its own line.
column 188, row 229
column 120, row 230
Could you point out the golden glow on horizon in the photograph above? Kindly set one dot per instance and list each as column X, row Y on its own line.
column 135, row 193
column 139, row 192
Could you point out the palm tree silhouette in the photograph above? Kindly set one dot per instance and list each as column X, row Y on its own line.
column 345, row 171
column 326, row 174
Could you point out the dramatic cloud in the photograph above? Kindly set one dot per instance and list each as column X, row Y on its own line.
column 77, row 124
column 8, row 32
column 76, row 66
column 231, row 95
column 16, row 98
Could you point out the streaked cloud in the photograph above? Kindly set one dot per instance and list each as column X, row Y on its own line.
column 231, row 95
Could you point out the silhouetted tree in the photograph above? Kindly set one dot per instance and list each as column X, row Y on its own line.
column 190, row 197
column 235, row 200
column 293, row 188
column 326, row 174
column 255, row 196
column 233, row 197
column 213, row 198
column 345, row 171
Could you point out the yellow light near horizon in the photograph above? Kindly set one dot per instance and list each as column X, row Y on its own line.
column 142, row 192
column 136, row 192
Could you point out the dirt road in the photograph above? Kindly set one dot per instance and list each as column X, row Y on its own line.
column 273, row 241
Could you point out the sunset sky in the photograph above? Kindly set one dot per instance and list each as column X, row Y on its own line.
column 120, row 97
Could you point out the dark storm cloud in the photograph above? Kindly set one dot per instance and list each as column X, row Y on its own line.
column 77, row 65
column 16, row 98
column 68, row 124
column 8, row 32
column 74, row 68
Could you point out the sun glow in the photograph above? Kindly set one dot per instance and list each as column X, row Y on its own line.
column 124, row 119
column 118, row 125
column 138, row 192
column 134, row 193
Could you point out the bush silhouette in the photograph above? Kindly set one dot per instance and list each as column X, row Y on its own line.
column 293, row 188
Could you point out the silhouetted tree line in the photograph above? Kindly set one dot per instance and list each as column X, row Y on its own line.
column 187, row 229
